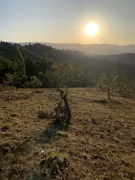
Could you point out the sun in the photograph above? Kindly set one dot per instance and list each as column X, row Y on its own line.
column 91, row 29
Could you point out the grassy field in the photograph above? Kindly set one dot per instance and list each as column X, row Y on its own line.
column 99, row 144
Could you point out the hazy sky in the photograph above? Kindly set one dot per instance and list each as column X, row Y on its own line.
column 64, row 20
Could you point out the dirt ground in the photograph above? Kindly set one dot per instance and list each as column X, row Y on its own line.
column 99, row 143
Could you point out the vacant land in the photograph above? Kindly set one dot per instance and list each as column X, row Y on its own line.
column 99, row 144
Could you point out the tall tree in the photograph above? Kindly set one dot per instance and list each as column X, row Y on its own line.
column 18, row 58
column 20, row 71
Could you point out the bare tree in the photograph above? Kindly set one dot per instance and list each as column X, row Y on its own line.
column 63, row 111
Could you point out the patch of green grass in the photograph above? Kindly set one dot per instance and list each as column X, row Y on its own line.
column 62, row 133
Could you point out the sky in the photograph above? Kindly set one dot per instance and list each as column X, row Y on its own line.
column 63, row 21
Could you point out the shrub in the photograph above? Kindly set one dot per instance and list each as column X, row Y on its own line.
column 35, row 82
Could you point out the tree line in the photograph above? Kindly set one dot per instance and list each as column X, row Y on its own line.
column 46, row 72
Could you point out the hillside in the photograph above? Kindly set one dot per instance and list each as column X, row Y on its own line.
column 125, row 62
column 96, row 64
column 100, row 142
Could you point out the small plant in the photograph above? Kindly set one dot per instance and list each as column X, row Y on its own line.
column 55, row 163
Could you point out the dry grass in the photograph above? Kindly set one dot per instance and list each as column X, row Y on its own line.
column 100, row 141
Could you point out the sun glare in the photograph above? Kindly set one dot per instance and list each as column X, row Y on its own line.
column 91, row 29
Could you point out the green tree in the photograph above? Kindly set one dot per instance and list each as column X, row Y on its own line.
column 107, row 83
column 6, row 66
column 35, row 82
column 125, row 86
column 44, row 64
column 10, row 78
column 61, row 75
column 20, row 70
column 14, row 79
column 31, row 68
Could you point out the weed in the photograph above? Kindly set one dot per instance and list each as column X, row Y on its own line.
column 55, row 163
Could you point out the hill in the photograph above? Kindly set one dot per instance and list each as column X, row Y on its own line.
column 92, row 49
column 96, row 63
column 95, row 49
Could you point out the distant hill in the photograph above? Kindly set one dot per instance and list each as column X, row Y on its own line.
column 95, row 49
column 92, row 49
column 96, row 63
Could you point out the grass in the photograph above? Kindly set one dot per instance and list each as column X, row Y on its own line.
column 100, row 142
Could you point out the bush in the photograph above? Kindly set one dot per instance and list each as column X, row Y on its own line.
column 35, row 82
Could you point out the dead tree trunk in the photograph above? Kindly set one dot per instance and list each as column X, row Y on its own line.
column 63, row 112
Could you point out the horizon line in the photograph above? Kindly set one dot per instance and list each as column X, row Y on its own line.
column 67, row 43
